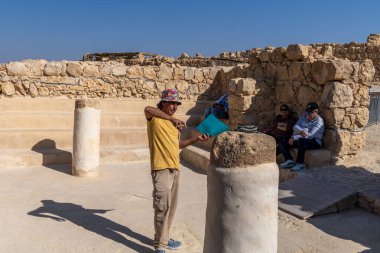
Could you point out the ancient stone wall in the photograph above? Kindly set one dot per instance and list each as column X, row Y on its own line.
column 75, row 79
column 297, row 75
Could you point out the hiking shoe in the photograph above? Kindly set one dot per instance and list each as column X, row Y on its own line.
column 159, row 251
column 288, row 164
column 173, row 244
column 299, row 167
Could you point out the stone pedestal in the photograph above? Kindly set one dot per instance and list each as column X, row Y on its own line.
column 86, row 138
column 242, row 203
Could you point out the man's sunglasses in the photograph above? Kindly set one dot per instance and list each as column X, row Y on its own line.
column 283, row 110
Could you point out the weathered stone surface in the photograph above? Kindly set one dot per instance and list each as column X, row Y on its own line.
column 242, row 86
column 149, row 72
column 297, row 52
column 189, row 73
column 74, row 69
column 305, row 95
column 366, row 71
column 374, row 39
column 362, row 117
column 264, row 56
column 333, row 117
column 179, row 73
column 134, row 72
column 8, row 89
column 198, row 75
column 270, row 74
column 119, row 70
column 284, row 93
column 54, row 68
column 278, row 54
column 182, row 87
column 90, row 71
column 342, row 143
column 17, row 69
column 164, row 73
column 336, row 95
column 36, row 67
column 331, row 70
column 282, row 72
column 239, row 103
column 295, row 70
column 235, row 149
column 33, row 91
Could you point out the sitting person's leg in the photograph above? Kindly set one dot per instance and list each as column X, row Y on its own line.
column 284, row 148
column 304, row 144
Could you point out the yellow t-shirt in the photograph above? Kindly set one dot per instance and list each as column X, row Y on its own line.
column 163, row 144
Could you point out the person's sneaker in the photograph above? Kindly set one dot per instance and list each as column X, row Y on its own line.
column 159, row 251
column 299, row 167
column 173, row 244
column 288, row 164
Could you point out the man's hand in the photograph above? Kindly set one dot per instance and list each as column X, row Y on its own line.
column 304, row 133
column 291, row 141
column 203, row 137
column 179, row 124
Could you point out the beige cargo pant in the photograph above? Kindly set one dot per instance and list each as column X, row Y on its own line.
column 165, row 194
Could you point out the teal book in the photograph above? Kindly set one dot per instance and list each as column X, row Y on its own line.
column 212, row 126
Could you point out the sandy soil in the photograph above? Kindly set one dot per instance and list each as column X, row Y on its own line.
column 47, row 210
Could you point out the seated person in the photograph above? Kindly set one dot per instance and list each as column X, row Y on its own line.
column 282, row 126
column 307, row 134
column 219, row 109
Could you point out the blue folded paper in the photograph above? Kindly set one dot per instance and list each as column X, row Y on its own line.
column 212, row 126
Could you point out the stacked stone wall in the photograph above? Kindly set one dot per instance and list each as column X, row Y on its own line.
column 297, row 75
column 39, row 78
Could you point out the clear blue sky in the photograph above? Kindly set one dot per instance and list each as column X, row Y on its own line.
column 67, row 29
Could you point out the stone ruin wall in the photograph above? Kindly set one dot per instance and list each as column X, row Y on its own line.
column 297, row 75
column 76, row 79
column 294, row 75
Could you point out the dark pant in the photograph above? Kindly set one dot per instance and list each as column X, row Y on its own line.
column 301, row 144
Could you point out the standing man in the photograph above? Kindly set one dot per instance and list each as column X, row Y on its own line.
column 307, row 134
column 164, row 144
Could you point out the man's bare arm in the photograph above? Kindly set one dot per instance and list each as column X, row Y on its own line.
column 185, row 143
column 151, row 112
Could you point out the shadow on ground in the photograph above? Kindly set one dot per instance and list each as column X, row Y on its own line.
column 88, row 219
column 52, row 157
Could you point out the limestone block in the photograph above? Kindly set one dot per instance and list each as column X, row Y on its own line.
column 254, row 149
column 327, row 51
column 20, row 88
column 258, row 73
column 74, row 69
column 54, row 68
column 242, row 86
column 119, row 70
column 305, row 95
column 336, row 95
column 284, row 93
column 189, row 73
column 8, row 89
column 331, row 70
column 332, row 117
column 36, row 67
column 179, row 73
column 282, row 72
column 278, row 54
column 297, row 52
column 270, row 73
column 366, row 71
column 214, row 73
column 198, row 75
column 149, row 72
column 134, row 71
column 264, row 56
column 295, row 71
column 105, row 69
column 149, row 85
column 342, row 143
column 262, row 103
column 374, row 39
column 306, row 68
column 90, row 70
column 33, row 91
column 362, row 117
column 182, row 86
column 165, row 73
column 17, row 69
column 242, row 118
column 239, row 103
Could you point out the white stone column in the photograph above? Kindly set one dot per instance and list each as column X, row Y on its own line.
column 242, row 201
column 86, row 141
